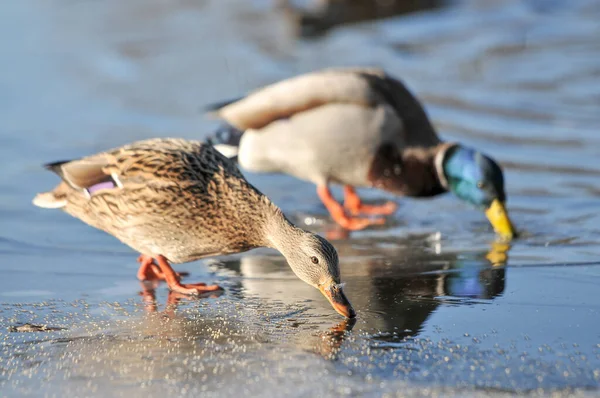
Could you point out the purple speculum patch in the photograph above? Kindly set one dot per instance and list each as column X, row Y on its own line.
column 102, row 185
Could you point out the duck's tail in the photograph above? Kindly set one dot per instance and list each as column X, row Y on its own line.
column 56, row 198
column 227, row 140
column 48, row 200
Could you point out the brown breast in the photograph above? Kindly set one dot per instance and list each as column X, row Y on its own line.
column 407, row 173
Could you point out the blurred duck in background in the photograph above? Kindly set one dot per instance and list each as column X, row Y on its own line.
column 358, row 128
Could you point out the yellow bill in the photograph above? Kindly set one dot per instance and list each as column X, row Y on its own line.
column 498, row 217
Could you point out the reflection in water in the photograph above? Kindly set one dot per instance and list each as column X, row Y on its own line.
column 193, row 346
column 331, row 341
column 324, row 15
column 394, row 288
column 325, row 343
column 253, row 330
column 148, row 294
column 498, row 254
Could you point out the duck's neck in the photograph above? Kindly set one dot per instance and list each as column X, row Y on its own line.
column 279, row 233
column 438, row 163
column 423, row 170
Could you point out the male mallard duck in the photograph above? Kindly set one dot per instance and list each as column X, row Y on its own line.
column 177, row 201
column 358, row 128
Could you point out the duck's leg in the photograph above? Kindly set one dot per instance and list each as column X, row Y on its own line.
column 339, row 215
column 355, row 206
column 184, row 288
column 149, row 271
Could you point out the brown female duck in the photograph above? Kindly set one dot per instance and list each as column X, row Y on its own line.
column 358, row 128
column 176, row 201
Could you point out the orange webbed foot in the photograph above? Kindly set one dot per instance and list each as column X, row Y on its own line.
column 172, row 280
column 339, row 214
column 385, row 209
column 149, row 271
column 356, row 223
column 354, row 204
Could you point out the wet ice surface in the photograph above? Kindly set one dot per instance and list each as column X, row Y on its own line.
column 442, row 309
column 469, row 327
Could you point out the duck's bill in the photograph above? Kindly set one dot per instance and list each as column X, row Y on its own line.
column 498, row 217
column 339, row 301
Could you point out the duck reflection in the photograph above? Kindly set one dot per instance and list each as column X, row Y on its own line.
column 328, row 343
column 394, row 286
column 148, row 293
column 204, row 348
column 323, row 342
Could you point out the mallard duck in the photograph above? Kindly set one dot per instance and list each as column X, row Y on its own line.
column 357, row 128
column 176, row 201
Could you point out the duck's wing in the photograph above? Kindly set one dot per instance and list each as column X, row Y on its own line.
column 168, row 160
column 156, row 162
column 367, row 87
column 80, row 176
column 417, row 128
column 285, row 98
column 82, row 173
column 361, row 86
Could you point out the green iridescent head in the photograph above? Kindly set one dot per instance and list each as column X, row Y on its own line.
column 479, row 180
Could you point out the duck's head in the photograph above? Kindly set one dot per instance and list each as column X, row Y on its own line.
column 315, row 261
column 477, row 179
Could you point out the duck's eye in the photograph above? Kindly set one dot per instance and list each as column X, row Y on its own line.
column 480, row 184
column 314, row 260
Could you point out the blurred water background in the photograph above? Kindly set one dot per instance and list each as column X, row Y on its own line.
column 443, row 308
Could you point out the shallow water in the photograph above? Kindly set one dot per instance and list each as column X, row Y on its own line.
column 442, row 308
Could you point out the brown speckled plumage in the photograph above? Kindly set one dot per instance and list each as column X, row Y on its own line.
column 182, row 200
column 173, row 191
